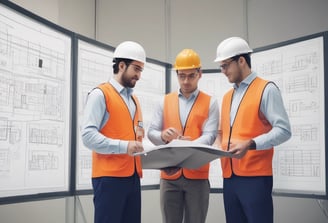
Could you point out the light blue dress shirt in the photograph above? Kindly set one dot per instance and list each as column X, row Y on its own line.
column 272, row 107
column 95, row 117
column 209, row 130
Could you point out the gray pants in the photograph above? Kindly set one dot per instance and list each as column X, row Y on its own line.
column 184, row 200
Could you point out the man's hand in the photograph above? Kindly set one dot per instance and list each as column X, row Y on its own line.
column 134, row 147
column 169, row 134
column 240, row 149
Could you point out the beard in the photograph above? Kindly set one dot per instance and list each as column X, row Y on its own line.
column 236, row 77
column 128, row 81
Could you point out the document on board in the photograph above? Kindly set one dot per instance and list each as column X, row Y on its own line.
column 180, row 153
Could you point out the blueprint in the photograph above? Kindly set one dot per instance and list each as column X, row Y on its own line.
column 180, row 153
column 35, row 72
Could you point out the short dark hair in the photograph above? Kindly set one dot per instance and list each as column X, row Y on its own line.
column 247, row 57
column 117, row 61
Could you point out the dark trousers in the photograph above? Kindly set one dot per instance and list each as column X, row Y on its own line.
column 117, row 199
column 248, row 199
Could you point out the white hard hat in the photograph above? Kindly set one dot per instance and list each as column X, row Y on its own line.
column 231, row 47
column 130, row 50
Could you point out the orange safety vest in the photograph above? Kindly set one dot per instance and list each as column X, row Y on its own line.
column 193, row 128
column 247, row 125
column 119, row 126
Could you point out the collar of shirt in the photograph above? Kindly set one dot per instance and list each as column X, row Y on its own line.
column 126, row 95
column 119, row 88
column 246, row 81
column 185, row 105
column 238, row 94
column 192, row 96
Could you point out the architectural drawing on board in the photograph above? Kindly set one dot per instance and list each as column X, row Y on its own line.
column 298, row 71
column 34, row 106
column 94, row 67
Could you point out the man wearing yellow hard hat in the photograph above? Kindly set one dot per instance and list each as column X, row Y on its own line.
column 188, row 114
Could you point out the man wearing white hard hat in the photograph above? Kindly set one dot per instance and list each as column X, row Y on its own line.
column 253, row 120
column 112, row 119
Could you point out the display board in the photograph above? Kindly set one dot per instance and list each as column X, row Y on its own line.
column 297, row 67
column 35, row 71
column 95, row 67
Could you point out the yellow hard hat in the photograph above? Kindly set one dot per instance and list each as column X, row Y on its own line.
column 187, row 59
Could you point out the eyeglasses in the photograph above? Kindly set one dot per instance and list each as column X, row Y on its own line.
column 137, row 68
column 226, row 65
column 191, row 76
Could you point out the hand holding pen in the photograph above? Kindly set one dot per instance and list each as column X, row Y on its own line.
column 171, row 133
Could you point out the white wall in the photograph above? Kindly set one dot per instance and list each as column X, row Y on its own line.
column 75, row 15
column 164, row 27
column 280, row 20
